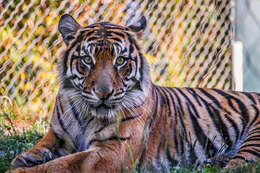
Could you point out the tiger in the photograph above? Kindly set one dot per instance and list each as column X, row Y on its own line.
column 110, row 117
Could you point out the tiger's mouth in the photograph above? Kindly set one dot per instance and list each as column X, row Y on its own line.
column 103, row 110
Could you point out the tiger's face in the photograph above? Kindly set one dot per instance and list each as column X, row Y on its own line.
column 103, row 66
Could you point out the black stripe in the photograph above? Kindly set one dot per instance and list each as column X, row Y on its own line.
column 168, row 105
column 108, row 139
column 211, row 97
column 65, row 59
column 250, row 97
column 241, row 105
column 253, row 138
column 174, row 126
column 103, row 127
column 182, row 141
column 234, row 125
column 116, row 39
column 90, row 26
column 123, row 51
column 219, row 125
column 242, row 108
column 92, row 38
column 189, row 104
column 183, row 127
column 175, row 138
column 249, row 145
column 110, row 123
column 141, row 58
column 173, row 103
column 180, row 114
column 202, row 138
column 131, row 49
column 71, row 63
column 130, row 45
column 251, row 152
column 172, row 161
column 77, row 68
column 67, row 52
column 116, row 94
column 119, row 34
column 194, row 94
column 178, row 101
column 88, row 34
column 155, row 105
column 256, row 149
column 239, row 157
column 254, row 130
column 89, row 121
column 131, row 117
column 256, row 115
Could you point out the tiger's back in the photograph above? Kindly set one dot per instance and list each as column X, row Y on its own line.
column 205, row 126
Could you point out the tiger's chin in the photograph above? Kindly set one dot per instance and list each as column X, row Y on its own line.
column 104, row 112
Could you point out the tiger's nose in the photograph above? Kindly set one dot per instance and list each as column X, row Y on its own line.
column 103, row 92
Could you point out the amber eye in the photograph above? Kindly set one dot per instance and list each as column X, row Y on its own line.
column 87, row 60
column 120, row 60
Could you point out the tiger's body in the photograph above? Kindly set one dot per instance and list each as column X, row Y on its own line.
column 108, row 115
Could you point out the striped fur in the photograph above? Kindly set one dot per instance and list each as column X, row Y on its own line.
column 109, row 117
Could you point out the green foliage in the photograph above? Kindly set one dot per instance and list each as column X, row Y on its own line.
column 244, row 168
column 12, row 143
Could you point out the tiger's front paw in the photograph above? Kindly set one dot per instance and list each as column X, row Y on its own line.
column 32, row 157
column 19, row 170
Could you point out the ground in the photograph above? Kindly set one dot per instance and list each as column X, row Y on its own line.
column 17, row 136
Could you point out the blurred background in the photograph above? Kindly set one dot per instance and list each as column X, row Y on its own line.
column 247, row 31
column 188, row 43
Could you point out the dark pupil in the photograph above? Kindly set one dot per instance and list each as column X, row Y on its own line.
column 87, row 59
column 120, row 60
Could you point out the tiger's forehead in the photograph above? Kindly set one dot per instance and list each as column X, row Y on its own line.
column 104, row 30
column 104, row 36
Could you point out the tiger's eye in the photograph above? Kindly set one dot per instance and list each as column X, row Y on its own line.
column 120, row 60
column 87, row 59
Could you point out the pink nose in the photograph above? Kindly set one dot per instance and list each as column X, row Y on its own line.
column 103, row 92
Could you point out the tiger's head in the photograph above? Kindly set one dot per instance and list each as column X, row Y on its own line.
column 103, row 66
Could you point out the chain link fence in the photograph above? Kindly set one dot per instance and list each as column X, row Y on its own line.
column 188, row 43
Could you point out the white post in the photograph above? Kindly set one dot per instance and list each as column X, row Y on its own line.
column 237, row 66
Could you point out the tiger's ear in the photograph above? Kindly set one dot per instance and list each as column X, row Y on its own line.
column 68, row 28
column 138, row 27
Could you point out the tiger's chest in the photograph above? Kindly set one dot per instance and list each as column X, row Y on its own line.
column 81, row 134
column 96, row 131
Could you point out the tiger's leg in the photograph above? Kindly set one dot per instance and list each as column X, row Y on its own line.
column 67, row 164
column 92, row 160
column 41, row 153
column 249, row 150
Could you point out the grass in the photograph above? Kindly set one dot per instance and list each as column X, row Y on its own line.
column 13, row 143
column 244, row 168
